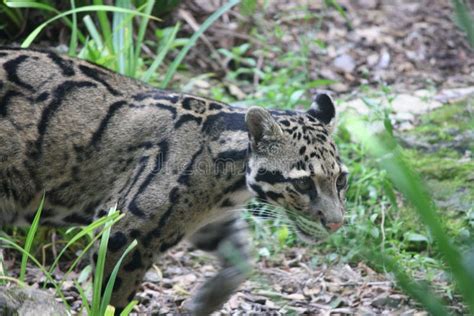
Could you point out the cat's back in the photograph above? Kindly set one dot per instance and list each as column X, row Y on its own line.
column 63, row 122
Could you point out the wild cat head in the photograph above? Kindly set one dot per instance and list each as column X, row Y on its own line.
column 294, row 163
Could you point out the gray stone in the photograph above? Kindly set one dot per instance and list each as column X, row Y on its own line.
column 152, row 276
column 345, row 63
column 29, row 302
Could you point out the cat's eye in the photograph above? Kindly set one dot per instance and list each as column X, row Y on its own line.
column 341, row 181
column 304, row 184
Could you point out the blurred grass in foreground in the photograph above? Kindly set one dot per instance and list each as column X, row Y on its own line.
column 385, row 149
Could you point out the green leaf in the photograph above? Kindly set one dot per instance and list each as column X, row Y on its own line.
column 128, row 309
column 95, row 35
column 109, row 311
column 113, row 276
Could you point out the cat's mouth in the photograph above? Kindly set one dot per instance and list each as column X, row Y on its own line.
column 309, row 230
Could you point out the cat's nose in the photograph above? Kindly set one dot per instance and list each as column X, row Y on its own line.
column 332, row 227
column 332, row 223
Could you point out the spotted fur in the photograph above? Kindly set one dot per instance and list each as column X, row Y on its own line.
column 175, row 164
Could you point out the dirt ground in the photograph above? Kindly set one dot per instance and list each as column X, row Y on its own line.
column 291, row 288
column 408, row 45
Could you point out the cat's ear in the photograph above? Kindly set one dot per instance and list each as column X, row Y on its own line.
column 323, row 109
column 262, row 127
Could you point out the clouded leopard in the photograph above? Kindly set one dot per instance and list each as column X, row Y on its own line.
column 175, row 164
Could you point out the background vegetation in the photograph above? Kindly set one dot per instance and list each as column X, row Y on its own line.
column 392, row 224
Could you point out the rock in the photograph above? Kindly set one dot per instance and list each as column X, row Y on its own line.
column 454, row 95
column 344, row 63
column 372, row 59
column 152, row 276
column 404, row 126
column 384, row 60
column 382, row 301
column 296, row 297
column 410, row 141
column 403, row 117
column 28, row 301
column 339, row 87
column 327, row 73
column 356, row 105
column 412, row 104
column 371, row 35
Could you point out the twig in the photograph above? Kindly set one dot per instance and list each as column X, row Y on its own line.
column 188, row 18
column 256, row 77
column 382, row 228
column 246, row 37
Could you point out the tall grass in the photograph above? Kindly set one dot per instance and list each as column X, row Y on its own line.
column 115, row 46
column 385, row 149
column 100, row 229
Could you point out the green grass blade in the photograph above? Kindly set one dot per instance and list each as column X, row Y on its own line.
column 209, row 21
column 87, row 247
column 110, row 284
column 84, row 232
column 38, row 264
column 4, row 279
column 73, row 42
column 420, row 292
column 340, row 10
column 94, row 33
column 45, row 7
column 13, row 15
column 128, row 309
column 3, row 274
column 105, row 26
column 163, row 51
column 92, row 8
column 85, row 302
column 29, row 239
column 100, row 266
column 109, row 311
column 141, row 35
column 31, row 5
column 118, row 40
column 121, row 26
